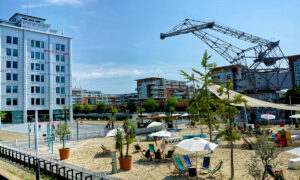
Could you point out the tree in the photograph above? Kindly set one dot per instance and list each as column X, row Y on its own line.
column 131, row 106
column 2, row 116
column 101, row 107
column 227, row 113
column 265, row 154
column 150, row 105
column 294, row 93
column 203, row 104
column 140, row 110
column 77, row 108
column 113, row 118
column 62, row 131
column 87, row 108
column 171, row 104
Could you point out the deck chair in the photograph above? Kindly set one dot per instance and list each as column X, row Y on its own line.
column 216, row 170
column 206, row 163
column 277, row 175
column 187, row 161
column 151, row 147
column 179, row 167
column 246, row 144
column 105, row 151
column 169, row 155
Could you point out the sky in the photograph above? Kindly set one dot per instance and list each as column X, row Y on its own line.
column 116, row 42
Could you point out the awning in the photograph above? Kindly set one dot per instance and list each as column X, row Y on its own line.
column 252, row 102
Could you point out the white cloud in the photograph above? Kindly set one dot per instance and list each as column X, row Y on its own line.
column 66, row 2
column 31, row 6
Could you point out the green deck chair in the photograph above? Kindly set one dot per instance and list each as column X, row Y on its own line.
column 151, row 147
column 216, row 170
column 180, row 168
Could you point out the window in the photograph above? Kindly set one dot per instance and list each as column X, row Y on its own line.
column 57, row 79
column 62, row 90
column 32, row 101
column 32, row 54
column 57, row 68
column 8, row 64
column 15, row 40
column 15, row 89
column 15, row 77
column 37, row 67
column 42, row 101
column 32, row 89
column 8, row 52
column 62, row 47
column 57, row 90
column 42, row 67
column 8, row 76
column 15, row 101
column 32, row 66
column 62, row 80
column 42, row 90
column 32, row 43
column 8, row 101
column 37, row 78
column 15, row 64
column 42, row 78
column 32, row 77
column 62, row 58
column 57, row 57
column 57, row 101
column 8, row 89
column 8, row 39
column 62, row 68
column 42, row 44
column 57, row 47
column 62, row 100
column 42, row 55
column 37, row 55
column 37, row 89
column 37, row 44
column 15, row 52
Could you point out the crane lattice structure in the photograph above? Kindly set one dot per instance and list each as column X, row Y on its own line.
column 265, row 57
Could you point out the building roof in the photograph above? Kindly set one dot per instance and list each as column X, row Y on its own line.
column 293, row 56
column 229, row 67
column 16, row 14
column 153, row 78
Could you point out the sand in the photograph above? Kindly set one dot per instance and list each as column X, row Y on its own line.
column 84, row 156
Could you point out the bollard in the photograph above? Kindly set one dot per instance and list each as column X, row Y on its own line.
column 114, row 162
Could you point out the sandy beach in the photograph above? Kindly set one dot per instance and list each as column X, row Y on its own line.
column 84, row 156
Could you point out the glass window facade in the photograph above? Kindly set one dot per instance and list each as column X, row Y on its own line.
column 297, row 72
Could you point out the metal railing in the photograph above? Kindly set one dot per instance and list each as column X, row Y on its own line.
column 55, row 169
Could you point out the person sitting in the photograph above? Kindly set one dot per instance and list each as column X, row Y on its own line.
column 148, row 155
column 137, row 148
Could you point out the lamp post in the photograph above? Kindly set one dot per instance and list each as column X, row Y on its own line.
column 36, row 146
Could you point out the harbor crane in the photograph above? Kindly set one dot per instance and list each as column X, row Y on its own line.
column 265, row 60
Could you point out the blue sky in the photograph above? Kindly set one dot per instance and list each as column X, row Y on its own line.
column 117, row 41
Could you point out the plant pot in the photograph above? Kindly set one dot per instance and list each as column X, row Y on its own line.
column 125, row 163
column 64, row 153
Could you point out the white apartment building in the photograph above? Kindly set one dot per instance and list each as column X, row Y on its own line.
column 83, row 96
column 35, row 70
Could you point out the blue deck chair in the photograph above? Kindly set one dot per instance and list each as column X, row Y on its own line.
column 206, row 163
column 187, row 161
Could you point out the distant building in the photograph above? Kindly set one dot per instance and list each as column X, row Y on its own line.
column 235, row 74
column 82, row 96
column 294, row 62
column 35, row 70
column 160, row 89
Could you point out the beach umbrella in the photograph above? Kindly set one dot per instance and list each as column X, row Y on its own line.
column 185, row 114
column 196, row 144
column 176, row 114
column 162, row 115
column 154, row 124
column 295, row 116
column 113, row 132
column 268, row 116
column 164, row 134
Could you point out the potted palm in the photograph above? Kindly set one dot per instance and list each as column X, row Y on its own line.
column 62, row 131
column 125, row 161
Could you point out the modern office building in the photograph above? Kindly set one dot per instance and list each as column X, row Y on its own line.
column 294, row 62
column 160, row 89
column 35, row 70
